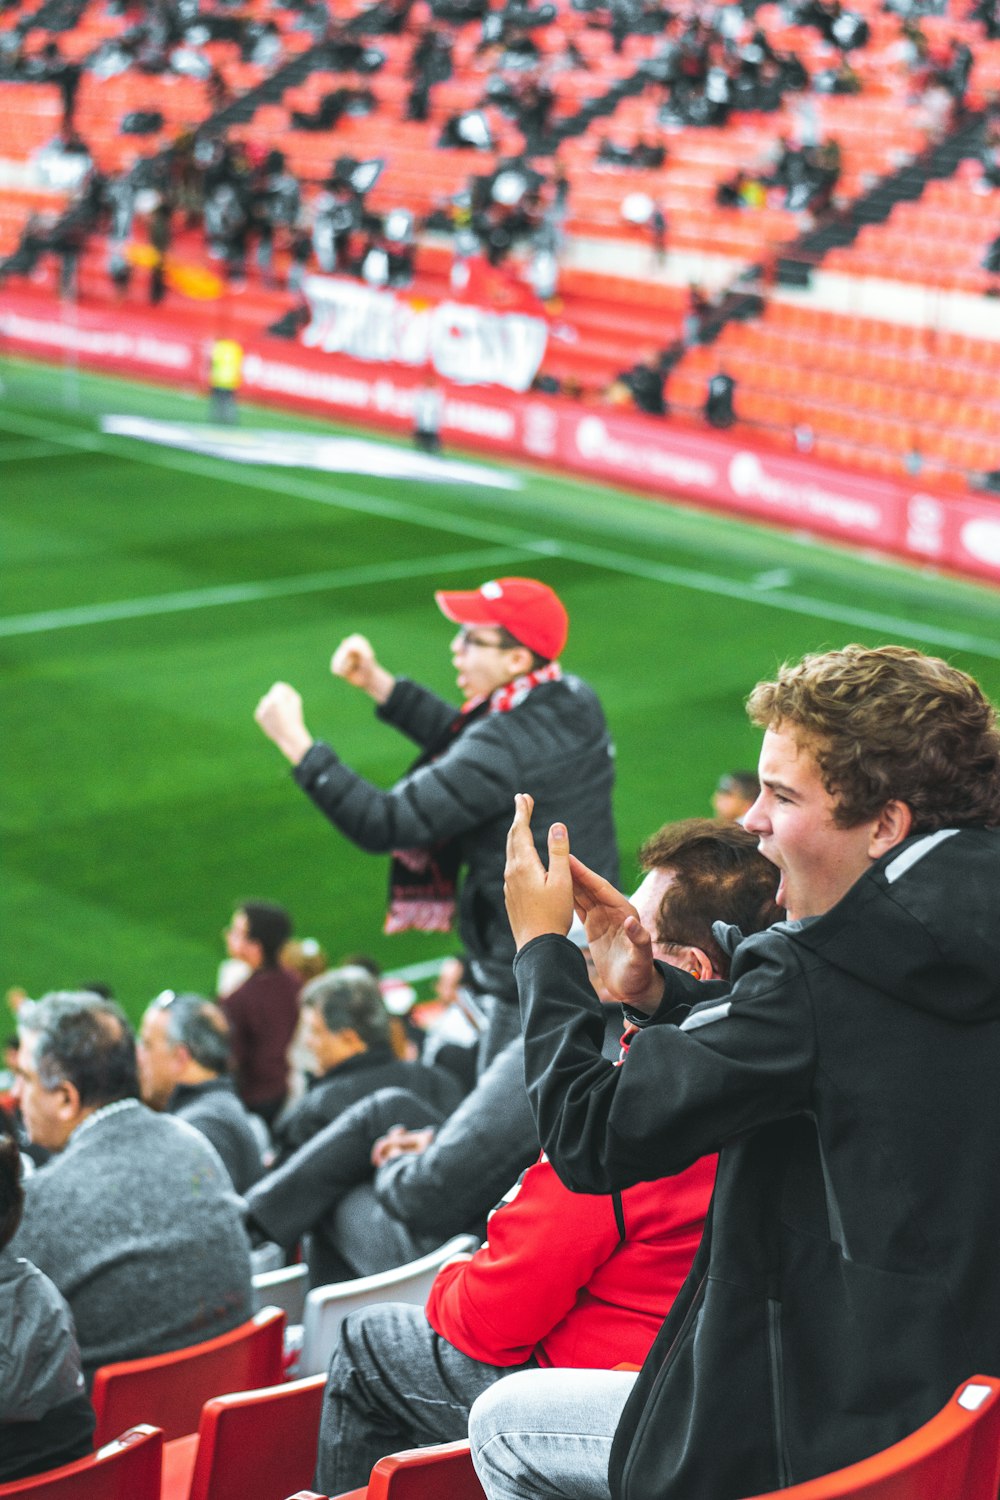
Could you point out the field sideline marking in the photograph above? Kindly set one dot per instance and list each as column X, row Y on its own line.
column 249, row 593
column 706, row 583
column 18, row 452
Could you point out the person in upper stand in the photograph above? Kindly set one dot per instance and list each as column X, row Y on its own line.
column 523, row 723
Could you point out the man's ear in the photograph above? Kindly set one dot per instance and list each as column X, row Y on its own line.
column 69, row 1107
column 693, row 960
column 521, row 660
column 351, row 1041
column 893, row 825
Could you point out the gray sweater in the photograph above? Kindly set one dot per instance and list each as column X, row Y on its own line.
column 139, row 1228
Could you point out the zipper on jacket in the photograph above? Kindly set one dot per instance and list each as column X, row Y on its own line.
column 777, row 1390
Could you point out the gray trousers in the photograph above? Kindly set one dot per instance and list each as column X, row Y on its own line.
column 503, row 1024
column 393, row 1383
column 324, row 1191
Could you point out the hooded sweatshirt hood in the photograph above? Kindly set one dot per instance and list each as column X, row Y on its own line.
column 942, row 958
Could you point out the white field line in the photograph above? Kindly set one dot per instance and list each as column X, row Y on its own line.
column 248, row 593
column 887, row 626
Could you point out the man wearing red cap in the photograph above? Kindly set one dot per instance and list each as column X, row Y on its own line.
column 523, row 724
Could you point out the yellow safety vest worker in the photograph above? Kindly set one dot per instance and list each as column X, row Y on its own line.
column 227, row 365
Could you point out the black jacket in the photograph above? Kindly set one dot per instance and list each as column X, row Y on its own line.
column 479, row 1151
column 213, row 1108
column 847, row 1279
column 554, row 744
column 450, row 1188
column 354, row 1079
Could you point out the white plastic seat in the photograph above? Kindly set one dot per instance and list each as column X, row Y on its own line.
column 328, row 1306
column 285, row 1287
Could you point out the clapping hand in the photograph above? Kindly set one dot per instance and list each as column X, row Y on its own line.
column 543, row 901
column 538, row 900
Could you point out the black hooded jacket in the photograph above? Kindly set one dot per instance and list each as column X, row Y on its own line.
column 848, row 1075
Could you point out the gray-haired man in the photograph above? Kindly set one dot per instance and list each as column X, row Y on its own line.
column 134, row 1218
column 184, row 1056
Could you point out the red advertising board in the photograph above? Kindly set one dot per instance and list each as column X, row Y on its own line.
column 722, row 471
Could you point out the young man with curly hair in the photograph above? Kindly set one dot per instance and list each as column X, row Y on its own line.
column 846, row 1073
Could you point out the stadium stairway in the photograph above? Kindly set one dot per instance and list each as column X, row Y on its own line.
column 941, row 161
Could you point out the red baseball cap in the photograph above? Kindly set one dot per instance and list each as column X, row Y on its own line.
column 530, row 610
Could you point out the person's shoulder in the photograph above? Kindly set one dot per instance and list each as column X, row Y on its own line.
column 569, row 706
column 266, row 983
column 168, row 1140
column 768, row 955
column 569, row 694
column 24, row 1282
column 214, row 1103
column 17, row 1272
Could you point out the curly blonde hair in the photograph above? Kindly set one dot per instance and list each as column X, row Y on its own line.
column 890, row 723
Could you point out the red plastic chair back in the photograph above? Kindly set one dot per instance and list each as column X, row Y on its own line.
column 426, row 1474
column 256, row 1443
column 171, row 1389
column 441, row 1472
column 954, row 1456
column 128, row 1468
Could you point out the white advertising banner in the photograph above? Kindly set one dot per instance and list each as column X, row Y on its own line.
column 462, row 342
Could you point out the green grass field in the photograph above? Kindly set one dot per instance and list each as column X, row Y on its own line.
column 150, row 597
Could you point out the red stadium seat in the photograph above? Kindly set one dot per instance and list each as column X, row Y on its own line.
column 954, row 1456
column 127, row 1468
column 441, row 1472
column 254, row 1443
column 171, row 1389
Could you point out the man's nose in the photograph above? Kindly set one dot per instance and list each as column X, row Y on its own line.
column 754, row 820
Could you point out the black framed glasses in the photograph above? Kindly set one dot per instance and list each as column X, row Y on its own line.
column 469, row 638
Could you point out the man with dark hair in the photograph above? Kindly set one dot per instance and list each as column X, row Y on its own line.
column 263, row 1011
column 523, row 724
column 707, row 877
column 183, row 1053
column 45, row 1416
column 847, row 1282
column 345, row 1026
column 565, row 1280
column 134, row 1218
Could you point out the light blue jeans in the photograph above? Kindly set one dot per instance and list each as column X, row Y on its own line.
column 546, row 1434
